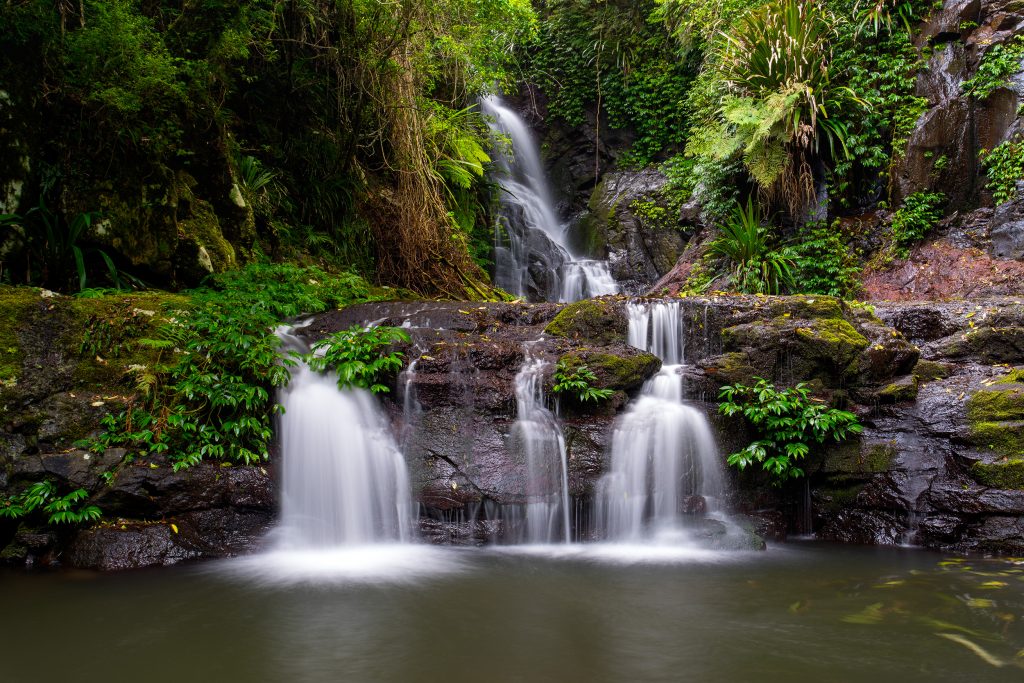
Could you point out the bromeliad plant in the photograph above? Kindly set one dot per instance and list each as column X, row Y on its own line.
column 361, row 358
column 788, row 423
column 577, row 381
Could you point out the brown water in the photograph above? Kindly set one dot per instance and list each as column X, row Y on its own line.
column 794, row 613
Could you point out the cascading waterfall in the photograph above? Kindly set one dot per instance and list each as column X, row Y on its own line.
column 664, row 458
column 538, row 435
column 344, row 481
column 531, row 251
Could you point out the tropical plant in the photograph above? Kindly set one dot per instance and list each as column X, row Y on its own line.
column 824, row 262
column 1004, row 165
column 874, row 15
column 66, row 509
column 997, row 66
column 776, row 60
column 360, row 357
column 213, row 398
column 787, row 423
column 577, row 381
column 755, row 268
column 52, row 251
column 918, row 215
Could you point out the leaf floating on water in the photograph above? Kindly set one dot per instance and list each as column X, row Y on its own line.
column 975, row 648
column 981, row 603
column 891, row 584
column 872, row 614
column 799, row 606
column 994, row 584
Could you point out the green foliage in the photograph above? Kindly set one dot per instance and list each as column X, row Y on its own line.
column 997, row 66
column 918, row 215
column 613, row 55
column 824, row 264
column 212, row 398
column 361, row 358
column 744, row 243
column 577, row 381
column 776, row 60
column 46, row 249
column 787, row 423
column 1004, row 165
column 42, row 495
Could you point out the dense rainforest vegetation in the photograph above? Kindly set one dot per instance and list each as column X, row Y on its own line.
column 289, row 156
column 150, row 143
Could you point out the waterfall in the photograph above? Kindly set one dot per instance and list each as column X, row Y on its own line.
column 344, row 481
column 532, row 256
column 540, row 439
column 664, row 459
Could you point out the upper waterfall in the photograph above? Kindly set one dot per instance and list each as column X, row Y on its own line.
column 532, row 255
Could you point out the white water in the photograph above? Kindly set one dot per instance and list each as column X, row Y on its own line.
column 344, row 481
column 530, row 233
column 664, row 458
column 540, row 439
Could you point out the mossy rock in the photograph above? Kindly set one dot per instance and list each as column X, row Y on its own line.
column 854, row 457
column 733, row 367
column 996, row 405
column 900, row 391
column 837, row 494
column 1006, row 438
column 929, row 370
column 616, row 371
column 988, row 344
column 807, row 307
column 1015, row 376
column 18, row 306
column 1003, row 474
column 833, row 339
column 596, row 321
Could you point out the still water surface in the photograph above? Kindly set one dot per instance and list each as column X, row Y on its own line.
column 799, row 612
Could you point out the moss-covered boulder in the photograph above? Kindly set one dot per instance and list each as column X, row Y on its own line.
column 997, row 405
column 902, row 390
column 1007, row 473
column 855, row 457
column 929, row 370
column 625, row 369
column 595, row 321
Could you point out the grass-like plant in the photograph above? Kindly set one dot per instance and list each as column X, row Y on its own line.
column 755, row 267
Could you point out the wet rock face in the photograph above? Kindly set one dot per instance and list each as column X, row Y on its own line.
column 937, row 464
column 942, row 152
column 642, row 239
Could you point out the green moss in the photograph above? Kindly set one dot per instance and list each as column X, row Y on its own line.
column 834, row 339
column 835, row 497
column 18, row 306
column 596, row 321
column 995, row 405
column 902, row 390
column 929, row 370
column 1006, row 438
column 1015, row 376
column 1004, row 474
column 807, row 307
column 615, row 371
column 857, row 458
column 733, row 367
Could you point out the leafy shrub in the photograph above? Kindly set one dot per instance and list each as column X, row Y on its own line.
column 756, row 268
column 43, row 496
column 359, row 357
column 578, row 381
column 1005, row 167
column 824, row 264
column 787, row 423
column 996, row 67
column 213, row 399
column 918, row 215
